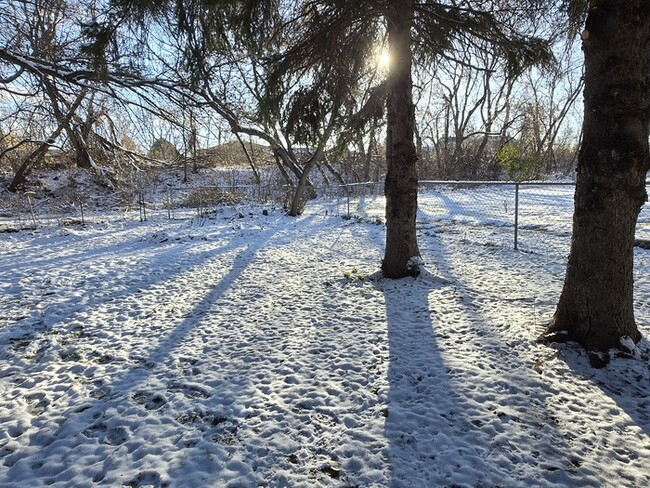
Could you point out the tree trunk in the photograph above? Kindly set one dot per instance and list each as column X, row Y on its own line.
column 77, row 141
column 249, row 158
column 298, row 200
column 596, row 305
column 291, row 163
column 283, row 171
column 37, row 154
column 336, row 174
column 402, row 256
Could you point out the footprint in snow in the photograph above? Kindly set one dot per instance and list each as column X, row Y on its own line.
column 117, row 436
column 21, row 343
column 220, row 429
column 114, row 436
column 100, row 393
column 95, row 429
column 148, row 479
column 187, row 366
column 15, row 431
column 189, row 390
column 150, row 401
column 225, row 432
column 208, row 419
column 70, row 355
column 102, row 358
column 29, row 346
column 37, row 403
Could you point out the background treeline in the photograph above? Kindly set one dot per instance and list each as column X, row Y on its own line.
column 139, row 107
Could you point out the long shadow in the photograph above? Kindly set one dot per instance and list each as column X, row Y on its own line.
column 626, row 381
column 184, row 328
column 425, row 425
column 540, row 406
column 454, row 210
column 123, row 388
column 137, row 279
column 81, row 257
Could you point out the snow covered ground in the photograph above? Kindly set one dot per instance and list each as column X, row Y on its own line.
column 258, row 350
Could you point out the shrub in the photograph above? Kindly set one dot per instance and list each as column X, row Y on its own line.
column 517, row 165
column 206, row 197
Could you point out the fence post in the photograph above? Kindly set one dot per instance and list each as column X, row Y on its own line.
column 347, row 193
column 516, row 212
column 29, row 194
column 143, row 207
column 81, row 209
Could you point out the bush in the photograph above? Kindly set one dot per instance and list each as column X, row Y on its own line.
column 207, row 197
column 518, row 166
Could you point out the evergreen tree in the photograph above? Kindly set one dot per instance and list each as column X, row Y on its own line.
column 596, row 304
column 312, row 37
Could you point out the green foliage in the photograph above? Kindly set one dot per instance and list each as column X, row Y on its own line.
column 518, row 166
column 354, row 274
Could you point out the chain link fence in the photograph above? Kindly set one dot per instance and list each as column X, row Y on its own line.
column 30, row 210
column 534, row 217
column 531, row 216
column 523, row 215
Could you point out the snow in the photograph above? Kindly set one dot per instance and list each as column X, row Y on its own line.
column 265, row 351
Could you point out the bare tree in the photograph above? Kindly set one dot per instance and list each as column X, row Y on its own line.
column 23, row 170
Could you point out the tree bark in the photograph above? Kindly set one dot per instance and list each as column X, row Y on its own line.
column 283, row 171
column 402, row 256
column 596, row 304
column 298, row 200
column 332, row 170
column 298, row 197
column 291, row 163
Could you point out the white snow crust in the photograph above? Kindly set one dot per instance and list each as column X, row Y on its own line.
column 262, row 351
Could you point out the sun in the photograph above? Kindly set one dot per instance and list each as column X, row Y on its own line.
column 383, row 60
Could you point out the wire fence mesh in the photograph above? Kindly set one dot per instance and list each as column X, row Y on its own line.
column 528, row 216
column 531, row 217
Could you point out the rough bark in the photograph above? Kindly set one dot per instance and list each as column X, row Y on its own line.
column 401, row 178
column 291, row 162
column 298, row 200
column 298, row 197
column 596, row 305
column 297, row 203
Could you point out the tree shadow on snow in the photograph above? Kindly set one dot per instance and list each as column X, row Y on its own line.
column 502, row 429
column 481, row 207
column 192, row 320
column 161, row 267
column 88, row 415
column 432, row 442
column 626, row 381
column 547, row 420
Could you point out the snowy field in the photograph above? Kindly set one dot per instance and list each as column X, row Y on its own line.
column 251, row 350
